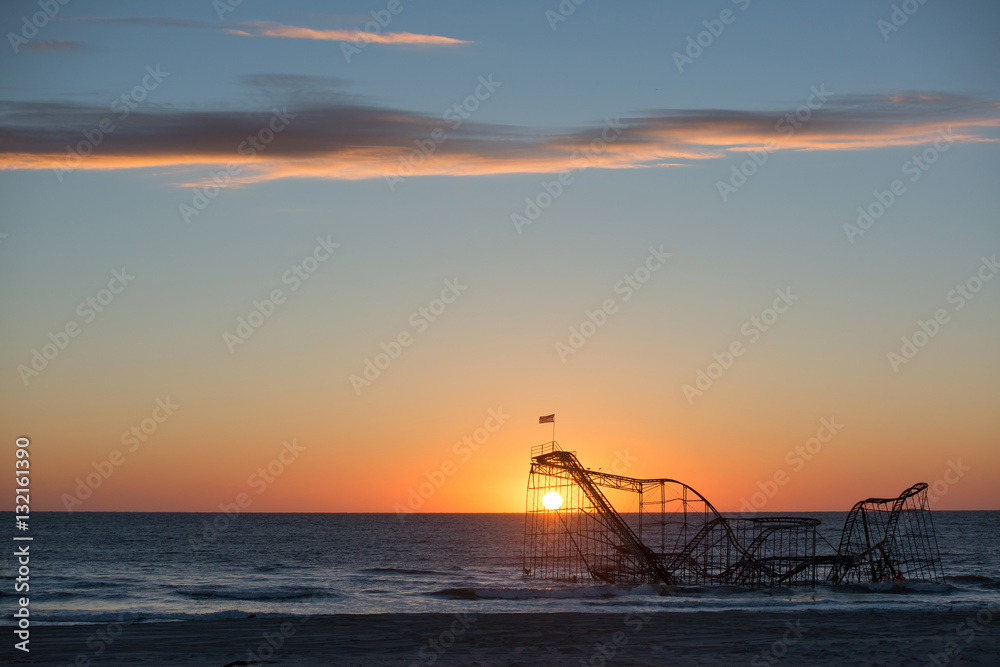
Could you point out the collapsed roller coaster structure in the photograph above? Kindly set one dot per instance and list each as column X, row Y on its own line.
column 671, row 534
column 889, row 539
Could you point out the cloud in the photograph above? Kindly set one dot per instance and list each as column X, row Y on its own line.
column 271, row 29
column 267, row 29
column 349, row 142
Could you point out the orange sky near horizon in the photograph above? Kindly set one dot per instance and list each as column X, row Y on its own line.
column 367, row 450
column 732, row 452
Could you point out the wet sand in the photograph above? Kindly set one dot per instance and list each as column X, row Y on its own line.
column 557, row 639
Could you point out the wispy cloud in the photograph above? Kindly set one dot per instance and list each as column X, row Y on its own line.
column 343, row 141
column 271, row 29
column 298, row 32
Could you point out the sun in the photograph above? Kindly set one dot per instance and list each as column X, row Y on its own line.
column 552, row 500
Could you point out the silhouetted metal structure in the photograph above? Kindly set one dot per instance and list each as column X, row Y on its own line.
column 672, row 534
column 889, row 539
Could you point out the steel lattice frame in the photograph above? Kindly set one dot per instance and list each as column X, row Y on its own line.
column 889, row 539
column 677, row 536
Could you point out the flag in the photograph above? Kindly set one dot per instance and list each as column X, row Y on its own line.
column 547, row 419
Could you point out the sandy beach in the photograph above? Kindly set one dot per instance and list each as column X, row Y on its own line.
column 719, row 638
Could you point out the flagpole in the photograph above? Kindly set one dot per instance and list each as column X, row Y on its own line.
column 544, row 419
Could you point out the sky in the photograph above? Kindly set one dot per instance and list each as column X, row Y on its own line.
column 340, row 257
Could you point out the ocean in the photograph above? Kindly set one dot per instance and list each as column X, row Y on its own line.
column 103, row 567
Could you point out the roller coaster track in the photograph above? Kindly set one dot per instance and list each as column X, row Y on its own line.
column 740, row 572
column 875, row 554
column 646, row 559
column 691, row 542
column 685, row 557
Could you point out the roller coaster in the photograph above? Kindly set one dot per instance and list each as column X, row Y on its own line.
column 671, row 534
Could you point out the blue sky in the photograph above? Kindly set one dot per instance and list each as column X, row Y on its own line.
column 657, row 183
